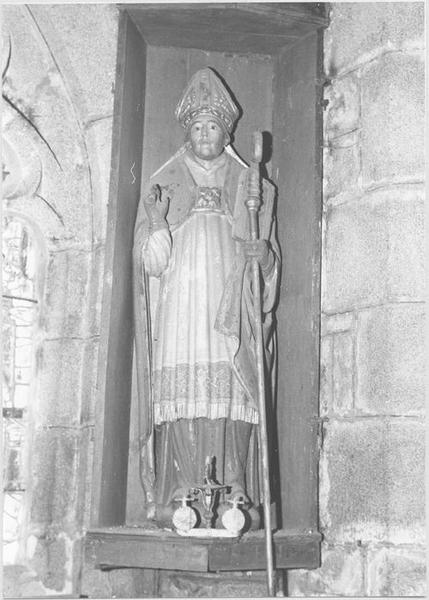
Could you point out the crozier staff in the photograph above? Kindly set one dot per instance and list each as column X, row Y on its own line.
column 199, row 392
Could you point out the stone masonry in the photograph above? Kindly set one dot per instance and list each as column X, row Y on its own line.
column 372, row 361
column 59, row 71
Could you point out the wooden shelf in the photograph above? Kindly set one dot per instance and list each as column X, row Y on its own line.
column 118, row 547
column 238, row 27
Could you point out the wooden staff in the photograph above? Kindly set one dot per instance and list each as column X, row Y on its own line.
column 253, row 203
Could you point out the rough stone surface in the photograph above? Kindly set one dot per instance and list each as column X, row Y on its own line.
column 18, row 143
column 98, row 137
column 49, row 561
column 375, row 481
column 21, row 582
column 88, row 461
column 83, row 499
column 66, row 294
column 222, row 585
column 74, row 290
column 83, row 40
column 89, row 381
column 397, row 572
column 343, row 373
column 60, row 364
column 34, row 84
column 359, row 30
column 94, row 583
column 60, row 75
column 373, row 250
column 95, row 295
column 341, row 573
column 391, row 360
column 407, row 254
column 343, row 109
column 325, row 392
column 54, row 478
column 122, row 583
column 29, row 66
column 337, row 323
column 342, row 165
column 393, row 105
column 73, row 296
column 355, row 255
column 337, row 370
column 133, row 583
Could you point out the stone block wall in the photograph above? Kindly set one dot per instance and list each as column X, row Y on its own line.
column 59, row 71
column 372, row 363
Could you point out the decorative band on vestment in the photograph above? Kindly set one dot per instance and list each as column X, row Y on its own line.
column 173, row 411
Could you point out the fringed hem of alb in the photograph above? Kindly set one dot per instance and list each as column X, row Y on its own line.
column 173, row 411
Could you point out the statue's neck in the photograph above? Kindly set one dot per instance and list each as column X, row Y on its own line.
column 208, row 165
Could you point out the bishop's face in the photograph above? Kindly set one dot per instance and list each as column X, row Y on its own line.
column 207, row 138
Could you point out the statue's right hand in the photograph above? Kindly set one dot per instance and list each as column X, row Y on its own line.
column 156, row 208
column 152, row 197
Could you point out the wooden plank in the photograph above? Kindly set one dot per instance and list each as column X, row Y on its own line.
column 299, row 553
column 290, row 552
column 264, row 19
column 166, row 78
column 314, row 13
column 235, row 27
column 212, row 40
column 147, row 554
column 297, row 169
column 115, row 355
column 166, row 550
column 136, row 509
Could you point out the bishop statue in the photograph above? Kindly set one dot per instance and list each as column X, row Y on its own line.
column 194, row 338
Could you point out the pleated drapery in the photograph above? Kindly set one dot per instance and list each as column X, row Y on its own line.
column 192, row 375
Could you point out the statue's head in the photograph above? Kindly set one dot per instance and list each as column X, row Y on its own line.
column 207, row 113
column 207, row 137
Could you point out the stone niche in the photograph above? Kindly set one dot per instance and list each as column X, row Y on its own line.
column 270, row 55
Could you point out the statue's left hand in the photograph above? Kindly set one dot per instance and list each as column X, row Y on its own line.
column 258, row 249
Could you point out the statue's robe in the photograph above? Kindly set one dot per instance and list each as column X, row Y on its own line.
column 195, row 358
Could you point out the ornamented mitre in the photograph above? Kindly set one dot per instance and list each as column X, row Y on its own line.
column 206, row 94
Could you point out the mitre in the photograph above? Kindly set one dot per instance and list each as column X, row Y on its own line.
column 206, row 94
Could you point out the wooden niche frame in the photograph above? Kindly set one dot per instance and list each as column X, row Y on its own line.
column 281, row 44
